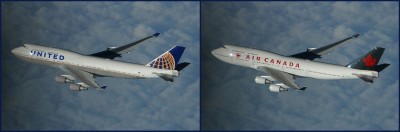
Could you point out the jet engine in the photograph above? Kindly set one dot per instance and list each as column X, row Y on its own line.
column 276, row 88
column 77, row 87
column 63, row 79
column 263, row 80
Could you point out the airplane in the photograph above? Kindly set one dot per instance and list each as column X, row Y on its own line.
column 284, row 70
column 101, row 64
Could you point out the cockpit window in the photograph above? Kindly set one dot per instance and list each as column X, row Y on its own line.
column 25, row 46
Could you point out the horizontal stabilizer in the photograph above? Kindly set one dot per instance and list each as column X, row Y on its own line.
column 181, row 66
column 166, row 77
column 366, row 78
column 380, row 67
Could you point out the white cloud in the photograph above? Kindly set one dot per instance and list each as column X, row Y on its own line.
column 342, row 31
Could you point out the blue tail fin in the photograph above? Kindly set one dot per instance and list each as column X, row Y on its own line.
column 169, row 59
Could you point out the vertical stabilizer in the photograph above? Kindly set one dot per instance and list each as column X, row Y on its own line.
column 168, row 60
column 369, row 61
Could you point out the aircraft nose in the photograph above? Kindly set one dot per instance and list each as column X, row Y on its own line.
column 217, row 52
column 17, row 50
column 214, row 52
column 14, row 51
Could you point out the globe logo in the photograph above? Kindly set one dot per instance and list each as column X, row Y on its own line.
column 166, row 61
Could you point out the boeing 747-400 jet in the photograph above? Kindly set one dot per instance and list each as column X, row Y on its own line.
column 284, row 69
column 87, row 67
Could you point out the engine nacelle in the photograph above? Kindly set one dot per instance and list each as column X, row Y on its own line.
column 77, row 87
column 63, row 79
column 262, row 80
column 276, row 88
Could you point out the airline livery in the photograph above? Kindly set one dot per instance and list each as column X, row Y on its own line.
column 284, row 69
column 87, row 67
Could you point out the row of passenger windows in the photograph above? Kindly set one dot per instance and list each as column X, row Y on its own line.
column 295, row 68
column 67, row 63
column 324, row 73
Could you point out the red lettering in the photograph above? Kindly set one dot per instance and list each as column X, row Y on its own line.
column 272, row 61
column 297, row 65
column 284, row 63
column 258, row 58
column 248, row 57
column 266, row 59
column 252, row 58
column 278, row 61
column 290, row 64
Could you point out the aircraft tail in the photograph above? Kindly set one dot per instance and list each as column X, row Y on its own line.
column 169, row 60
column 369, row 61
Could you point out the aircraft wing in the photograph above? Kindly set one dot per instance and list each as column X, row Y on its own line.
column 283, row 77
column 166, row 77
column 113, row 52
column 85, row 77
column 311, row 54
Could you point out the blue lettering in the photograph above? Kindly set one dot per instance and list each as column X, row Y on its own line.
column 61, row 57
column 49, row 54
column 39, row 53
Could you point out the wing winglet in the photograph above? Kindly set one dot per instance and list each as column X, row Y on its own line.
column 303, row 88
column 156, row 34
column 356, row 35
column 103, row 87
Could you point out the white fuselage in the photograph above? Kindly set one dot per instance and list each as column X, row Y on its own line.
column 98, row 66
column 254, row 58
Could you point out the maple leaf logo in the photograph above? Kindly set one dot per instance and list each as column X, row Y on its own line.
column 237, row 55
column 369, row 61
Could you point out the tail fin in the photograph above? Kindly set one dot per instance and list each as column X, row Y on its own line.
column 369, row 61
column 168, row 60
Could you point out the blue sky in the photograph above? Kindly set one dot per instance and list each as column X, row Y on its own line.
column 32, row 100
column 231, row 100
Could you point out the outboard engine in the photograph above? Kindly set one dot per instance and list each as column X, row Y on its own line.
column 77, row 87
